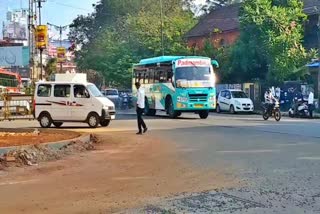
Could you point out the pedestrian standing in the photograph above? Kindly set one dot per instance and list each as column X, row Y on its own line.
column 140, row 109
column 310, row 103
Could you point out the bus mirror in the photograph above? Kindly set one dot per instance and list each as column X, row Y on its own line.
column 215, row 63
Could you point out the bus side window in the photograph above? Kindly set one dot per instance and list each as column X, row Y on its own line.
column 146, row 77
column 169, row 76
column 151, row 76
column 156, row 76
column 161, row 77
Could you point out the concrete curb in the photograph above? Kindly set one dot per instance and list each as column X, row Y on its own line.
column 85, row 138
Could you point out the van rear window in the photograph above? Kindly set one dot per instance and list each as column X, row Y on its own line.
column 44, row 91
column 62, row 90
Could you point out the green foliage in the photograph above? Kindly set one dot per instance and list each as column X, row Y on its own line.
column 51, row 67
column 270, row 45
column 121, row 32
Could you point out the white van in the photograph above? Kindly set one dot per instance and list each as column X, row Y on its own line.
column 59, row 102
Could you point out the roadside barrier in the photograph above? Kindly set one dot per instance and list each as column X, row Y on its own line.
column 16, row 107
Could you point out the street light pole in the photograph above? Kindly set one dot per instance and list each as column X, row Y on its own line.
column 161, row 29
column 60, row 28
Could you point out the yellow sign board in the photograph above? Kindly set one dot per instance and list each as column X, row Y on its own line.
column 42, row 37
column 61, row 54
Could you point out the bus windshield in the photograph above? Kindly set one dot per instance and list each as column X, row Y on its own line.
column 194, row 77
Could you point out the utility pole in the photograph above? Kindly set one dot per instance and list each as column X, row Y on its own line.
column 60, row 29
column 318, row 25
column 41, row 49
column 161, row 29
column 31, row 35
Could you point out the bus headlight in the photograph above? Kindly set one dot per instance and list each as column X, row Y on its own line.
column 212, row 98
column 182, row 99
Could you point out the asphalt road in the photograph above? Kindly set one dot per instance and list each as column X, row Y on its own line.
column 276, row 164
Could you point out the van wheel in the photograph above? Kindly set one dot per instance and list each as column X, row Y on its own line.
column 45, row 120
column 57, row 124
column 93, row 120
column 105, row 123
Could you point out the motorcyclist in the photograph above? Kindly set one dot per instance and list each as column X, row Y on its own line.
column 269, row 100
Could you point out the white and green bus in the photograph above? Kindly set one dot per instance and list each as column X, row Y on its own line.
column 177, row 84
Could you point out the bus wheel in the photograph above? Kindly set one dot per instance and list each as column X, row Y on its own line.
column 204, row 114
column 147, row 110
column 172, row 113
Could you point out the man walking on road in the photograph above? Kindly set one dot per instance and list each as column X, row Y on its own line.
column 310, row 103
column 140, row 108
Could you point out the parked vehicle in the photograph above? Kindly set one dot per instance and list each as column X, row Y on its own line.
column 113, row 95
column 271, row 110
column 59, row 102
column 299, row 108
column 234, row 100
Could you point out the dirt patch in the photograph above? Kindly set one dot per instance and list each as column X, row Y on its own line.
column 124, row 171
column 10, row 137
column 39, row 153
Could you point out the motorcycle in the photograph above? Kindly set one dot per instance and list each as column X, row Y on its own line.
column 125, row 102
column 299, row 109
column 270, row 110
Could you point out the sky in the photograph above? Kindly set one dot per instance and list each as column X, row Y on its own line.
column 58, row 12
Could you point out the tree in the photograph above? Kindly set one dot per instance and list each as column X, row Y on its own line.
column 51, row 67
column 211, row 5
column 120, row 33
column 270, row 45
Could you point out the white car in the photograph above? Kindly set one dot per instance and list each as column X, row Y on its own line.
column 233, row 100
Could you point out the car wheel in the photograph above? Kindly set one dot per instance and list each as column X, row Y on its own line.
column 232, row 111
column 218, row 109
column 57, row 124
column 45, row 120
column 93, row 120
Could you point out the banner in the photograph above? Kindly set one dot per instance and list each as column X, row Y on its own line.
column 42, row 37
column 61, row 54
column 14, row 56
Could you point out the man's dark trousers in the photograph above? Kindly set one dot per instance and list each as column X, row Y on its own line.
column 310, row 107
column 141, row 123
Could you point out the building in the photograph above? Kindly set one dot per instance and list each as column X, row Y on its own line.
column 15, row 28
column 222, row 26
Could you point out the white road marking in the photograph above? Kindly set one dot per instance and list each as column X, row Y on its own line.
column 308, row 158
column 249, row 151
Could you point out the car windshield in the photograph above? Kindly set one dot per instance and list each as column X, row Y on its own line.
column 94, row 91
column 238, row 94
column 193, row 73
column 111, row 92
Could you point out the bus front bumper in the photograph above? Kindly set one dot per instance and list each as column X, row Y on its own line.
column 195, row 106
